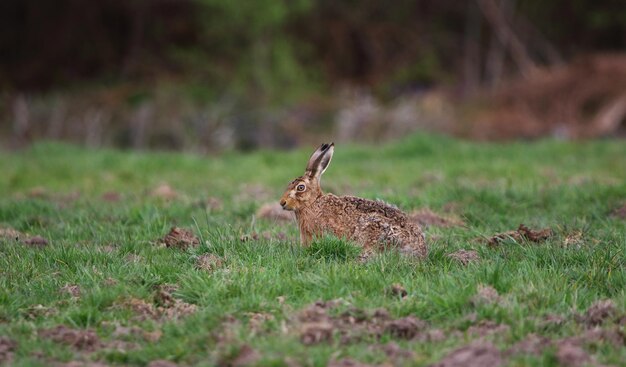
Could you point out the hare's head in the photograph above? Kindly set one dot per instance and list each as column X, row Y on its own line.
column 304, row 190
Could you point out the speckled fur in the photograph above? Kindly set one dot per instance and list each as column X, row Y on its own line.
column 374, row 225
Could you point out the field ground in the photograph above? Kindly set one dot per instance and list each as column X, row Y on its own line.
column 99, row 288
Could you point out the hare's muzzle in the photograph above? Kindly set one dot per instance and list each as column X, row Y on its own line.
column 283, row 203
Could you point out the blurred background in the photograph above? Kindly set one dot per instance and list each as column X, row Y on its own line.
column 214, row 75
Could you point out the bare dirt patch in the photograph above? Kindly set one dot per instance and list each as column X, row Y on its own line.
column 110, row 282
column 598, row 312
column 522, row 233
column 619, row 212
column 170, row 307
column 613, row 336
column 395, row 352
column 209, row 262
column 532, row 344
column 162, row 363
column 316, row 332
column 71, row 289
column 164, row 192
column 125, row 331
column 571, row 354
column 7, row 349
column 180, row 238
column 11, row 234
column 133, row 258
column 142, row 309
column 473, row 355
column 111, row 196
column 552, row 320
column 397, row 290
column 212, row 204
column 406, row 327
column 164, row 307
column 80, row 364
column 273, row 211
column 35, row 241
column 426, row 218
column 486, row 294
column 35, row 311
column 347, row 362
column 315, row 324
column 464, row 256
column 574, row 239
column 245, row 356
column 487, row 327
column 257, row 320
column 85, row 340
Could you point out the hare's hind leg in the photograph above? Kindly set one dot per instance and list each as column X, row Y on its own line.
column 378, row 233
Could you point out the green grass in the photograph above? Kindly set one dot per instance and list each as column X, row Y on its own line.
column 569, row 187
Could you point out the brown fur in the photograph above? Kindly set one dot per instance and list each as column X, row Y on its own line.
column 372, row 224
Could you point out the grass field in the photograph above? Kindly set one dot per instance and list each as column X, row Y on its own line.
column 105, row 291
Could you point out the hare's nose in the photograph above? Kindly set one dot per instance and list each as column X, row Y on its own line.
column 283, row 203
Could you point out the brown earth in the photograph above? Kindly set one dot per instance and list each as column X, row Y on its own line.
column 487, row 327
column 521, row 234
column 598, row 312
column 12, row 234
column 464, row 256
column 532, row 344
column 209, row 262
column 347, row 362
column 472, row 355
column 7, row 349
column 180, row 238
column 569, row 353
column 619, row 212
column 36, row 311
column 486, row 294
column 35, row 241
column 551, row 320
column 245, row 356
column 164, row 307
column 426, row 217
column 395, row 352
column 71, row 289
column 574, row 239
column 111, row 196
column 86, row 340
column 257, row 321
column 164, row 192
column 315, row 324
column 162, row 363
column 397, row 290
column 80, row 364
column 405, row 328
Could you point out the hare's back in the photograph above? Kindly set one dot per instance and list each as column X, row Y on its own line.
column 353, row 206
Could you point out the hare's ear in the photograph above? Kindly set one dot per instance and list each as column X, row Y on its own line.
column 319, row 161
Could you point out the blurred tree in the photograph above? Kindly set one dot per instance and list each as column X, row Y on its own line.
column 272, row 46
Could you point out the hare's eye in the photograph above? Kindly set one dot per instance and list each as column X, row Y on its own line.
column 300, row 187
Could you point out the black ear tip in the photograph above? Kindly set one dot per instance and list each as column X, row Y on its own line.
column 324, row 146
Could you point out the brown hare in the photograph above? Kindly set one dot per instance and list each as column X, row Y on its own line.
column 372, row 224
